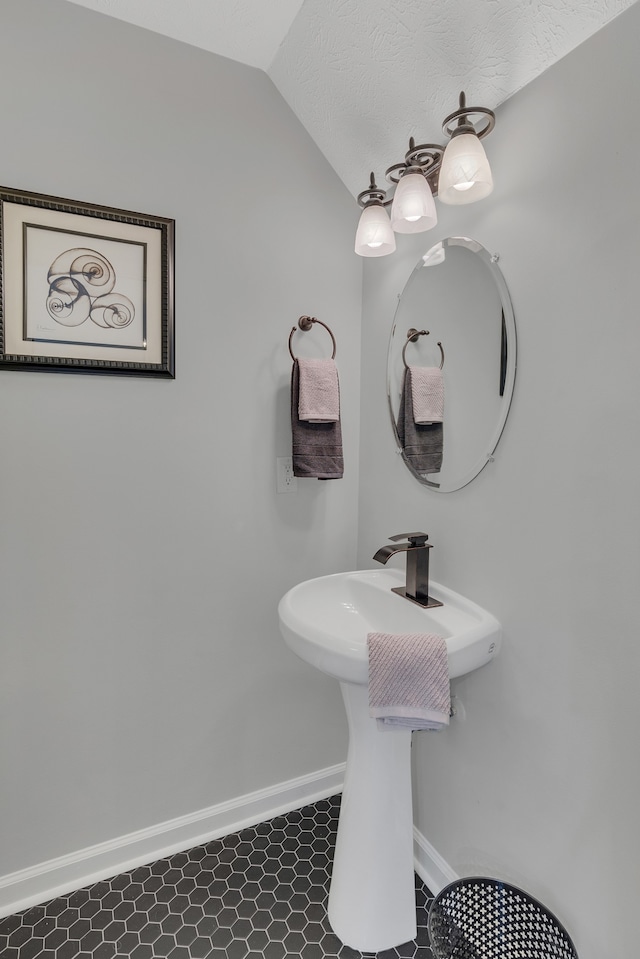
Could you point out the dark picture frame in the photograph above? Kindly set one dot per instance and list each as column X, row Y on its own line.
column 85, row 288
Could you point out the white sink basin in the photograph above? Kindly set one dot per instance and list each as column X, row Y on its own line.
column 325, row 621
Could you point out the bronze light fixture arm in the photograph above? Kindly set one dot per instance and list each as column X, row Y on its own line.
column 464, row 124
column 373, row 194
column 460, row 175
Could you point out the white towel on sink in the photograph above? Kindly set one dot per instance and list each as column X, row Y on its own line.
column 409, row 680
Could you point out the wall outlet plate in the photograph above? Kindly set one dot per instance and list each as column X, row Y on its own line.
column 286, row 482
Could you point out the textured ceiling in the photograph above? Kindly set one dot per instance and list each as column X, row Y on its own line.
column 365, row 75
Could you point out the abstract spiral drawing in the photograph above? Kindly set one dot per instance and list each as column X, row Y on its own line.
column 84, row 288
column 81, row 287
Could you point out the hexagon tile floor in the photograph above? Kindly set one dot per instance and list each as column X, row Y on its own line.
column 257, row 894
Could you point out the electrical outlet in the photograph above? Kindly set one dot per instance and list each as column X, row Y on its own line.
column 286, row 482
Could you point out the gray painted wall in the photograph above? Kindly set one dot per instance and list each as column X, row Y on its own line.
column 144, row 547
column 540, row 785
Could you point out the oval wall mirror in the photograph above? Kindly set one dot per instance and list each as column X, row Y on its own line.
column 454, row 312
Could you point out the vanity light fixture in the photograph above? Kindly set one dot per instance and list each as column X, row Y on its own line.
column 374, row 236
column 458, row 173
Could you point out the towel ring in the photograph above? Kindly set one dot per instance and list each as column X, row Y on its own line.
column 305, row 323
column 412, row 336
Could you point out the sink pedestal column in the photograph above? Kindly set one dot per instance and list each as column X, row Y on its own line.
column 372, row 902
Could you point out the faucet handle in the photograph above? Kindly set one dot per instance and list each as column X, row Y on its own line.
column 416, row 539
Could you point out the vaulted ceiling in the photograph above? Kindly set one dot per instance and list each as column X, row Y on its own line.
column 365, row 75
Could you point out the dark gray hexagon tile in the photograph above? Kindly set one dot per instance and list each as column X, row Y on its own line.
column 114, row 931
column 260, row 893
column 163, row 946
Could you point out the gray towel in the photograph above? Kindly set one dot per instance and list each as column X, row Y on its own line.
column 422, row 443
column 409, row 680
column 316, row 447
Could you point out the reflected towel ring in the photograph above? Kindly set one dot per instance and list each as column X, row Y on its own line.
column 305, row 323
column 412, row 336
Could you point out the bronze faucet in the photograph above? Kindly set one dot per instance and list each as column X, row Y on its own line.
column 417, row 550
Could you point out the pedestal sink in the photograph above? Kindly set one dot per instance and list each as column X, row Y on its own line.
column 325, row 621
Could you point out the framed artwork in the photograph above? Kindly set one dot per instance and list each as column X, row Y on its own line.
column 84, row 288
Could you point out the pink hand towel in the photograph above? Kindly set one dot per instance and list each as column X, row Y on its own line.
column 409, row 680
column 427, row 392
column 319, row 393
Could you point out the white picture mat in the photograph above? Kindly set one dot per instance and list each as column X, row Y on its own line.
column 42, row 248
column 15, row 215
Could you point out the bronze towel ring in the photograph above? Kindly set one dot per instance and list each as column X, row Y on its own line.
column 412, row 336
column 305, row 323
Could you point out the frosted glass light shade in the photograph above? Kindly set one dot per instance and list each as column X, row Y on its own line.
column 465, row 174
column 374, row 236
column 413, row 209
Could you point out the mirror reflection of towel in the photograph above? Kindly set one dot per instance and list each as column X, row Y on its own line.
column 422, row 443
column 316, row 447
column 427, row 394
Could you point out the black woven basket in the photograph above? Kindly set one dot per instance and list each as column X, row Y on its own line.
column 479, row 918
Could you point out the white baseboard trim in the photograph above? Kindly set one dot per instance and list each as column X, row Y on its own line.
column 58, row 877
column 434, row 871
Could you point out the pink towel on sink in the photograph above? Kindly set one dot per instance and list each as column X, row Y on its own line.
column 409, row 680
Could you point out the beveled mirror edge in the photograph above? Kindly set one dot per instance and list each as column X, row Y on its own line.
column 491, row 261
